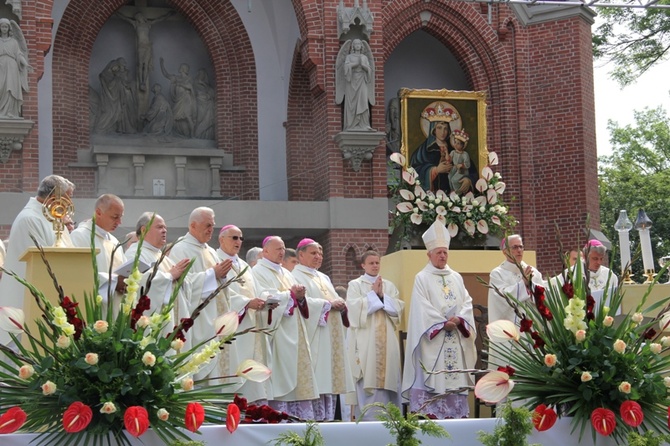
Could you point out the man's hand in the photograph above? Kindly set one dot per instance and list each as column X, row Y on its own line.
column 256, row 304
column 338, row 305
column 177, row 270
column 298, row 291
column 221, row 269
column 378, row 287
column 120, row 285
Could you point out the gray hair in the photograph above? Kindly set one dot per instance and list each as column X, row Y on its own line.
column 51, row 182
column 252, row 254
column 144, row 220
column 197, row 214
column 105, row 201
column 598, row 249
column 503, row 244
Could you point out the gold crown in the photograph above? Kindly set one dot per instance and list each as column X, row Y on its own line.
column 439, row 113
column 461, row 134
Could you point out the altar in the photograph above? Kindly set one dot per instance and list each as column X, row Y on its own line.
column 462, row 432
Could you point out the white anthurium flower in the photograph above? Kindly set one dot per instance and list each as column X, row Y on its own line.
column 441, row 219
column 494, row 387
column 253, row 371
column 416, row 219
column 11, row 319
column 502, row 330
column 419, row 192
column 456, row 210
column 409, row 177
column 405, row 207
column 493, row 159
column 469, row 197
column 226, row 324
column 492, row 196
column 430, row 195
column 467, row 208
column 469, row 226
column 481, row 185
column 406, row 195
column 487, row 173
column 452, row 228
column 440, row 195
column 453, row 196
column 479, row 201
column 399, row 158
column 441, row 210
column 500, row 187
column 482, row 227
column 422, row 205
column 495, row 219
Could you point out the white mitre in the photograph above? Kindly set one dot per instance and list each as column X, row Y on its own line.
column 436, row 236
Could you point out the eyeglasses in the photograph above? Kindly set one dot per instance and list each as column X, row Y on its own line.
column 517, row 247
column 236, row 237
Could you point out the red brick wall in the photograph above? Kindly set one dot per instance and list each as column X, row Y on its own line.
column 225, row 37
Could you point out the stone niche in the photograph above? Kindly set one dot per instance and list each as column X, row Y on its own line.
column 153, row 107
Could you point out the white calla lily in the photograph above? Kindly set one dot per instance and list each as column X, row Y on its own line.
column 494, row 387
column 226, row 324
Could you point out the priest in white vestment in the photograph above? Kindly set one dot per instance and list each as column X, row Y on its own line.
column 167, row 276
column 328, row 345
column 294, row 386
column 512, row 278
column 108, row 215
column 256, row 314
column 440, row 335
column 194, row 246
column 30, row 221
column 375, row 312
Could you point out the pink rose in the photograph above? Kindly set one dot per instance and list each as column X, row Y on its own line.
column 91, row 358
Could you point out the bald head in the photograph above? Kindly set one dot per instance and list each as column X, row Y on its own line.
column 274, row 249
column 108, row 212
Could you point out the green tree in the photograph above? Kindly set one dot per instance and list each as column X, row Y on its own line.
column 635, row 176
column 633, row 38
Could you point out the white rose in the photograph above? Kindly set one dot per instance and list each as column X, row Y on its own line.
column 187, row 384
column 149, row 359
column 101, row 326
column 48, row 388
column 163, row 414
column 143, row 321
column 91, row 358
column 108, row 408
column 63, row 341
column 655, row 348
column 26, row 371
column 177, row 344
column 637, row 318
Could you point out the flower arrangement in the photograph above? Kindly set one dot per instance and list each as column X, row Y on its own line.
column 88, row 374
column 469, row 214
column 404, row 429
column 571, row 357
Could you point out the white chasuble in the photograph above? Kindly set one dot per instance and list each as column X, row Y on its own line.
column 508, row 279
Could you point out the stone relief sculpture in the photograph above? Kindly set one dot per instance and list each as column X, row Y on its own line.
column 205, row 99
column 182, row 94
column 393, row 126
column 354, row 79
column 159, row 118
column 118, row 104
column 13, row 69
column 142, row 24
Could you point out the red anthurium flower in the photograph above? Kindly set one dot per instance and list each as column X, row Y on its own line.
column 232, row 417
column 136, row 420
column 603, row 421
column 544, row 417
column 12, row 420
column 77, row 417
column 195, row 415
column 632, row 414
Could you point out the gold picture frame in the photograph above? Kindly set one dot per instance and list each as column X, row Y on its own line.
column 421, row 111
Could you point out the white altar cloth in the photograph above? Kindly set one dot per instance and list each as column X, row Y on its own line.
column 463, row 433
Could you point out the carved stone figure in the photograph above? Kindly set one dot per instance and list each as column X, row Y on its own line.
column 355, row 74
column 159, row 116
column 393, row 126
column 145, row 60
column 204, row 95
column 183, row 99
column 118, row 104
column 13, row 69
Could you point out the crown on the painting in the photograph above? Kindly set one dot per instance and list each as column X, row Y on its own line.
column 439, row 113
column 461, row 134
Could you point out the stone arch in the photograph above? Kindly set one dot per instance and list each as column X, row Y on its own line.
column 223, row 34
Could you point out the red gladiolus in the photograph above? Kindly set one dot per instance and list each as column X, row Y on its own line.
column 195, row 415
column 232, row 417
column 544, row 417
column 136, row 420
column 603, row 421
column 507, row 369
column 77, row 417
column 241, row 402
column 12, row 420
column 525, row 325
column 668, row 417
column 569, row 290
column 631, row 413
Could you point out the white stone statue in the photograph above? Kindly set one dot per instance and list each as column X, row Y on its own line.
column 159, row 118
column 206, row 103
column 355, row 84
column 13, row 69
column 182, row 93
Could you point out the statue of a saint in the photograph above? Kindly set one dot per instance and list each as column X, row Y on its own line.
column 204, row 95
column 183, row 99
column 13, row 69
column 159, row 117
column 355, row 84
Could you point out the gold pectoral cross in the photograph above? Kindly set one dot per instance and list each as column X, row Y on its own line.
column 445, row 287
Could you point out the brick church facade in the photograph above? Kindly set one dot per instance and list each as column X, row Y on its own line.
column 272, row 66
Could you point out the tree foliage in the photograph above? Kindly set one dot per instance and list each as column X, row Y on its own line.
column 634, row 39
column 637, row 176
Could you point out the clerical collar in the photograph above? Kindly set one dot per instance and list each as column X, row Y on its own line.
column 434, row 270
column 370, row 278
column 312, row 271
column 150, row 247
column 225, row 255
column 272, row 265
column 102, row 233
column 513, row 267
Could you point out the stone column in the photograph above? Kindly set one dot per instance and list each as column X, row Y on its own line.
column 215, row 163
column 180, row 164
column 102, row 160
column 138, row 163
